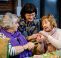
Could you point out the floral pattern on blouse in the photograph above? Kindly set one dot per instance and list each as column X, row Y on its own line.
column 29, row 28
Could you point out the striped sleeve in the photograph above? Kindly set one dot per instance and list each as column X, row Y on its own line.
column 11, row 50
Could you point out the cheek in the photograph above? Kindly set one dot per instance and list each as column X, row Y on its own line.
column 50, row 26
column 26, row 16
column 16, row 25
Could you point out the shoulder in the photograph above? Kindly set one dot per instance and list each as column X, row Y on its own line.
column 41, row 31
column 22, row 22
column 21, row 19
column 58, row 29
column 36, row 21
column 18, row 32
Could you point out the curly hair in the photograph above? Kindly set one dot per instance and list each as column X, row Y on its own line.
column 28, row 8
column 10, row 19
column 51, row 19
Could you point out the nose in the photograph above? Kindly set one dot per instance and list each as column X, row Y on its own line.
column 18, row 25
column 31, row 17
column 44, row 25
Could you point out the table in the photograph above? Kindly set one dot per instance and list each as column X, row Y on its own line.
column 55, row 54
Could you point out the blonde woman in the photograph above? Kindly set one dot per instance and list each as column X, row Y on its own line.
column 51, row 32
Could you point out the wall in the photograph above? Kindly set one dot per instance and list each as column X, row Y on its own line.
column 36, row 3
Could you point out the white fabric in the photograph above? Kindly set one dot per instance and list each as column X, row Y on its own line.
column 54, row 37
column 11, row 50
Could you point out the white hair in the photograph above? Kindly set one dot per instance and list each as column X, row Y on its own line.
column 9, row 22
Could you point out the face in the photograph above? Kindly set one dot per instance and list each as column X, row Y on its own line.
column 15, row 25
column 46, row 25
column 5, row 19
column 30, row 17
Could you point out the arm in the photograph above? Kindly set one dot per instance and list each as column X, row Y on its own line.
column 33, row 37
column 18, row 49
column 55, row 42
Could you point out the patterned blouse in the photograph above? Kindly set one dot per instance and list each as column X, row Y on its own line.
column 29, row 28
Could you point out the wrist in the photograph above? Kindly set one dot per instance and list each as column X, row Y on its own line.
column 25, row 46
column 29, row 37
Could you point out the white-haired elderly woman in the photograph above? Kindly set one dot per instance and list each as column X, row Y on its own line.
column 18, row 45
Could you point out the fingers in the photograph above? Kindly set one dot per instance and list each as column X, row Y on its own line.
column 40, row 38
column 44, row 33
column 30, row 45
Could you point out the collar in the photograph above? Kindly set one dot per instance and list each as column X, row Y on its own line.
column 52, row 31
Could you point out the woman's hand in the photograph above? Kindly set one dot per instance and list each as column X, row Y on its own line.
column 44, row 33
column 40, row 38
column 32, row 37
column 29, row 46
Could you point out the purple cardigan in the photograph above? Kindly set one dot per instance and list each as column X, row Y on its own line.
column 17, row 39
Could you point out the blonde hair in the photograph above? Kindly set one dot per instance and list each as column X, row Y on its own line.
column 11, row 19
column 51, row 19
